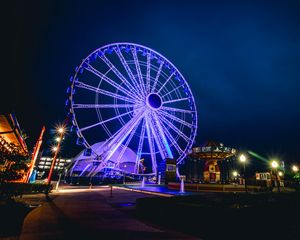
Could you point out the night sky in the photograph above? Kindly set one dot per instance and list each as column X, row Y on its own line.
column 240, row 58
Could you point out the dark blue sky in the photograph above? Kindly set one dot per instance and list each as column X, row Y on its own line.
column 241, row 59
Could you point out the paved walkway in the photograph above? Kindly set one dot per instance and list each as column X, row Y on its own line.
column 91, row 214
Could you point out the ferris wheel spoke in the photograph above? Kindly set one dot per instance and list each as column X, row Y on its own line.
column 174, row 128
column 108, row 80
column 165, row 82
column 175, row 89
column 129, row 72
column 176, row 100
column 173, row 141
column 140, row 147
column 120, row 75
column 104, row 92
column 138, row 69
column 176, row 110
column 122, row 135
column 122, row 129
column 162, row 136
column 105, row 121
column 126, row 144
column 157, row 76
column 179, row 120
column 118, row 139
column 79, row 105
column 157, row 138
column 148, row 73
column 151, row 147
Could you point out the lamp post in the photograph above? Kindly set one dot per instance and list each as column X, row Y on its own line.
column 235, row 175
column 274, row 166
column 61, row 131
column 295, row 169
column 243, row 159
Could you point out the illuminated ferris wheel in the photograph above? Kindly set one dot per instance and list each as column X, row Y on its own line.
column 130, row 97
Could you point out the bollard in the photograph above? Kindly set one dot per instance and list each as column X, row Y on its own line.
column 182, row 185
column 159, row 179
column 143, row 182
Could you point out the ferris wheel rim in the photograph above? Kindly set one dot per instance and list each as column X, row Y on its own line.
column 193, row 127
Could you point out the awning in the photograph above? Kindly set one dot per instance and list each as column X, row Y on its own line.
column 10, row 133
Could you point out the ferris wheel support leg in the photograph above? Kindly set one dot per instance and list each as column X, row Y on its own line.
column 162, row 136
column 151, row 146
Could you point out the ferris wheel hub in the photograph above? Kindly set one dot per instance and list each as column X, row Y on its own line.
column 154, row 101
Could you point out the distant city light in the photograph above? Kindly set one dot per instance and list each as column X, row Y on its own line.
column 280, row 174
column 57, row 139
column 235, row 173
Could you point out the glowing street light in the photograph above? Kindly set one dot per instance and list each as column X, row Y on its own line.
column 274, row 164
column 61, row 130
column 235, row 173
column 54, row 149
column 280, row 174
column 243, row 160
column 295, row 168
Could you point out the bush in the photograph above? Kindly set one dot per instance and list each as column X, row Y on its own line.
column 12, row 189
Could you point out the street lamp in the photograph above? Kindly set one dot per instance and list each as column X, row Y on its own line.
column 61, row 131
column 274, row 166
column 54, row 149
column 57, row 139
column 235, row 175
column 243, row 160
column 295, row 168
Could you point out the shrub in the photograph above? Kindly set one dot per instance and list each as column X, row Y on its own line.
column 12, row 189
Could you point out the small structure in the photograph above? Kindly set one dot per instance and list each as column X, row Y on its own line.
column 13, row 149
column 84, row 165
column 212, row 153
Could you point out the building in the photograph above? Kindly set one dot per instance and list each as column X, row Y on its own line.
column 216, row 162
column 87, row 164
column 13, row 149
column 44, row 163
column 11, row 139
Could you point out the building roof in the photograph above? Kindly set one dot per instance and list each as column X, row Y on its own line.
column 212, row 150
column 11, row 134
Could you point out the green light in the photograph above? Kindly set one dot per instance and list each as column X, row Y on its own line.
column 258, row 156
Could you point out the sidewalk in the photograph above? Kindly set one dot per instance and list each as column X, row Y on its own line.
column 89, row 215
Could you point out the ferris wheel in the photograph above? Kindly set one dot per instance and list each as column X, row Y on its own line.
column 130, row 96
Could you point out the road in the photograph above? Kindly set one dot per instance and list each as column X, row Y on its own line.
column 92, row 214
